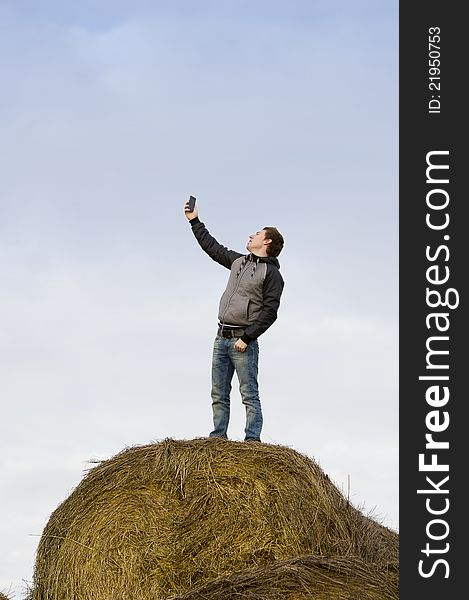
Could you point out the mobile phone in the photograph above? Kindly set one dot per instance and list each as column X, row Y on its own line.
column 191, row 203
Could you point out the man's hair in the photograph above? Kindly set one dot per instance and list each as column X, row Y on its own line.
column 276, row 244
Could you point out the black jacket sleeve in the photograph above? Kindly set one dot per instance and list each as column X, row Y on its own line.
column 273, row 288
column 211, row 246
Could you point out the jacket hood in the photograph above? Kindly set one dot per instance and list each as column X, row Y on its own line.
column 267, row 259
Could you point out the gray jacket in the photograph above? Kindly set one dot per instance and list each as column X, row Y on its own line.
column 252, row 296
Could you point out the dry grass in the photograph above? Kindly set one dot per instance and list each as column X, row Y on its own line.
column 305, row 577
column 212, row 519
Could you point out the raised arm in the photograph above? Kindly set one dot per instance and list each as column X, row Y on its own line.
column 207, row 242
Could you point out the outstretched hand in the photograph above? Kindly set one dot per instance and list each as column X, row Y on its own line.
column 190, row 215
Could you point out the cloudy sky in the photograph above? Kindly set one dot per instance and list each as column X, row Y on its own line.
column 271, row 113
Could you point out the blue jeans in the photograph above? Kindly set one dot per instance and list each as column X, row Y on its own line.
column 226, row 360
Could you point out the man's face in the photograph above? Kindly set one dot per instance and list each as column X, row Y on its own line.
column 256, row 242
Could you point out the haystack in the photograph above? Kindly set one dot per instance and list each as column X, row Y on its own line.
column 212, row 519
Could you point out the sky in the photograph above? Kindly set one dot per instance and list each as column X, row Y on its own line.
column 271, row 113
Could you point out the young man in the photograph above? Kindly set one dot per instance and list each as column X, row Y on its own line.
column 248, row 307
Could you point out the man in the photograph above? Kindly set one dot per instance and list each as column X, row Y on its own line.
column 248, row 307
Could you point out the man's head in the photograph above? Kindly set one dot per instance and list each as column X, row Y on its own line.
column 266, row 242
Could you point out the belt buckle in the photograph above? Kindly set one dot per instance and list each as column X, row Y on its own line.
column 229, row 333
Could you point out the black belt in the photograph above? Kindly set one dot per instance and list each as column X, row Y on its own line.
column 230, row 333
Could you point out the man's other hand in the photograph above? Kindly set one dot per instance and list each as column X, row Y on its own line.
column 240, row 345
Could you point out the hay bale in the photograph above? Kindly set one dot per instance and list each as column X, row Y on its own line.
column 165, row 519
column 303, row 578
